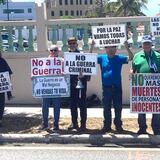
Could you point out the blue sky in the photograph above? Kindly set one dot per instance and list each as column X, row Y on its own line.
column 153, row 7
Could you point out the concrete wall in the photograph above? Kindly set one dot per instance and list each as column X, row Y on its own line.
column 22, row 86
column 20, row 62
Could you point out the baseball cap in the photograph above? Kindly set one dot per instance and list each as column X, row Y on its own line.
column 146, row 38
column 72, row 39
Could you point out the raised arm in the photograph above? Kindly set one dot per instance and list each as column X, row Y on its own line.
column 130, row 54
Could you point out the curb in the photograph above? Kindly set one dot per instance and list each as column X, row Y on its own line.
column 77, row 139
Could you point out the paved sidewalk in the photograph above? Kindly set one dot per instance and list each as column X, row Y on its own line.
column 95, row 139
column 91, row 112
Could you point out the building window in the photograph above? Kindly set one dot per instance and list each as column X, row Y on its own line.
column 80, row 2
column 5, row 11
column 72, row 13
column 77, row 2
column 48, row 5
column 80, row 13
column 60, row 13
column 86, row 2
column 66, row 13
column 60, row 2
column 52, row 13
column 91, row 1
column 71, row 2
column 77, row 13
column 66, row 2
column 29, row 10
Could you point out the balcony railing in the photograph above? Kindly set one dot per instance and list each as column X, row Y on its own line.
column 29, row 36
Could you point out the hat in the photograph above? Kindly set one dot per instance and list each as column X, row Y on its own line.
column 72, row 39
column 53, row 48
column 146, row 38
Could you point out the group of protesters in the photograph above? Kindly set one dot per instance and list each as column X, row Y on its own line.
column 145, row 61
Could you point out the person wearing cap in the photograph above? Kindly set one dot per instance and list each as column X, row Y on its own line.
column 47, row 102
column 111, row 65
column 147, row 61
column 4, row 67
column 78, row 95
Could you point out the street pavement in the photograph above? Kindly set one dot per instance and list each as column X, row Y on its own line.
column 77, row 153
column 95, row 139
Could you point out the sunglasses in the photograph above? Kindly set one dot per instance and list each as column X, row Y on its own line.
column 72, row 43
column 111, row 47
column 54, row 50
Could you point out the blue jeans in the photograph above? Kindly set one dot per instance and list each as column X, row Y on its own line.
column 46, row 103
column 112, row 95
column 155, row 122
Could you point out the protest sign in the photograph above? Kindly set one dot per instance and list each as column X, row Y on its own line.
column 46, row 66
column 74, row 63
column 5, row 84
column 110, row 35
column 51, row 86
column 155, row 26
column 145, row 93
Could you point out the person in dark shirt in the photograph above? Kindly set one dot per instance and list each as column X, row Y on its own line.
column 4, row 67
column 78, row 95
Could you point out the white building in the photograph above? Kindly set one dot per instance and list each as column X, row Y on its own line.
column 17, row 11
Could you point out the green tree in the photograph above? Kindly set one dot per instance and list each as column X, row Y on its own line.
column 110, row 8
column 100, row 8
column 130, row 7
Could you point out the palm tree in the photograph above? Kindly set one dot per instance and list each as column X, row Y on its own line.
column 100, row 4
column 130, row 7
column 110, row 8
column 2, row 1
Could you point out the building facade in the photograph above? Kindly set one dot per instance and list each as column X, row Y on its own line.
column 17, row 11
column 74, row 8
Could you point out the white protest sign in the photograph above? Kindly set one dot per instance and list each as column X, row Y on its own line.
column 145, row 93
column 46, row 66
column 51, row 86
column 5, row 84
column 110, row 35
column 155, row 26
column 74, row 63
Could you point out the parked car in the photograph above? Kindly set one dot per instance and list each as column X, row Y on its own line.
column 5, row 43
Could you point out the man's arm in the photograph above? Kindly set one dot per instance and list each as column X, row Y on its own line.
column 92, row 43
column 130, row 54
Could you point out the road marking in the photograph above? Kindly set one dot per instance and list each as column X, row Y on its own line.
column 77, row 148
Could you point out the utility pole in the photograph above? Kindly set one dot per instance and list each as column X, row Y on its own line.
column 7, row 10
column 101, row 8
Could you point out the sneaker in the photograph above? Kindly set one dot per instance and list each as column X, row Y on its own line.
column 73, row 127
column 106, row 129
column 83, row 128
column 43, row 127
column 119, row 129
column 141, row 131
column 55, row 128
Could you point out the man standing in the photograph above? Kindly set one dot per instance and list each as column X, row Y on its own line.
column 111, row 65
column 4, row 67
column 147, row 61
column 78, row 95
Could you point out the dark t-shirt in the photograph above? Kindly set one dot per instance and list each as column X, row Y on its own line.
column 74, row 78
column 4, row 67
